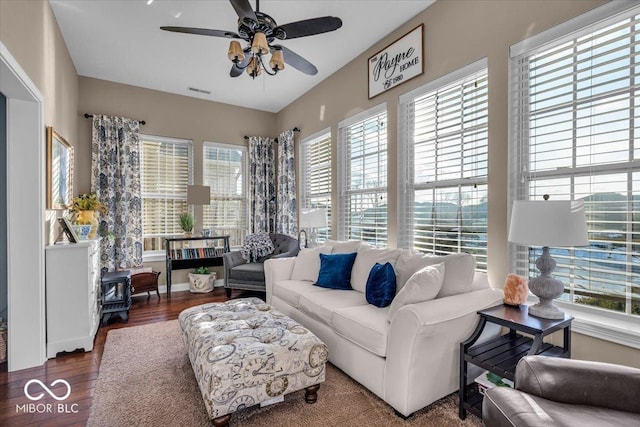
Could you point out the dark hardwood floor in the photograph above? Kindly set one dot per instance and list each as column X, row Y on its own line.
column 81, row 369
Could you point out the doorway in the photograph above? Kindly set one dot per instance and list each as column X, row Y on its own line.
column 3, row 226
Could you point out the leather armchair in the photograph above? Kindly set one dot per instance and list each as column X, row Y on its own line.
column 240, row 274
column 551, row 391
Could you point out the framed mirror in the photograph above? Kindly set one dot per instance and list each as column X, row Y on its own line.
column 59, row 171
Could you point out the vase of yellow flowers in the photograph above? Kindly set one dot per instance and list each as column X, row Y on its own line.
column 85, row 209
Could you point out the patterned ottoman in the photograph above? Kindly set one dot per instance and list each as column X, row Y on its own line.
column 243, row 352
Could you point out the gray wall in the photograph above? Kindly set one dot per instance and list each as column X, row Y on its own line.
column 3, row 207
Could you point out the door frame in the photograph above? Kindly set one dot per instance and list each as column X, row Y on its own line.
column 25, row 215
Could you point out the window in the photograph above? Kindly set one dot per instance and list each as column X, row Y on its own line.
column 315, row 176
column 165, row 174
column 362, row 212
column 575, row 136
column 225, row 172
column 443, row 165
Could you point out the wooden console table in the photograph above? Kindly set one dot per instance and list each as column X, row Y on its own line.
column 501, row 355
column 183, row 258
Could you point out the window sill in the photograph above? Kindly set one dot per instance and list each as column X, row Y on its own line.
column 153, row 257
column 602, row 324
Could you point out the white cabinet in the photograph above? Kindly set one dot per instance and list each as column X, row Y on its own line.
column 73, row 303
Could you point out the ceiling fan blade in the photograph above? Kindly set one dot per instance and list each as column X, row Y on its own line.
column 244, row 10
column 203, row 32
column 297, row 61
column 237, row 69
column 307, row 27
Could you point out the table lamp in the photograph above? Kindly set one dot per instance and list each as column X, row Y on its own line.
column 548, row 224
column 312, row 219
column 198, row 195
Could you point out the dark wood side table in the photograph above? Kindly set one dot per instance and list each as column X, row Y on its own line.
column 501, row 355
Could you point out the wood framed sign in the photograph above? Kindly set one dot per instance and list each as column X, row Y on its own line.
column 397, row 63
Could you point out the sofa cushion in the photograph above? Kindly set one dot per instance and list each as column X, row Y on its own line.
column 307, row 264
column 424, row 285
column 250, row 272
column 381, row 285
column 290, row 290
column 459, row 274
column 321, row 305
column 366, row 259
column 364, row 325
column 335, row 271
column 343, row 247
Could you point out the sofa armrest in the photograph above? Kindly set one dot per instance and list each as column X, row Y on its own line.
column 580, row 382
column 230, row 260
column 276, row 269
column 233, row 259
column 423, row 347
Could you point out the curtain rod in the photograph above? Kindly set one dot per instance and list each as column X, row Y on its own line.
column 88, row 116
column 295, row 129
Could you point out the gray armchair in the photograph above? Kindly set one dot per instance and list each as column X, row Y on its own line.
column 239, row 274
column 551, row 391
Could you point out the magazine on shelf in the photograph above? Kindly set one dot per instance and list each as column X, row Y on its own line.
column 488, row 380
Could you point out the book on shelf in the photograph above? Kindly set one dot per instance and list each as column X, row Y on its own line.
column 196, row 253
column 488, row 380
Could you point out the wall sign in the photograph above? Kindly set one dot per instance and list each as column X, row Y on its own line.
column 397, row 63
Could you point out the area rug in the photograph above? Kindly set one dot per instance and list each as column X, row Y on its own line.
column 146, row 379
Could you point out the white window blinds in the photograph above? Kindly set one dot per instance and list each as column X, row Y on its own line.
column 575, row 136
column 443, row 165
column 166, row 172
column 225, row 172
column 363, row 177
column 315, row 175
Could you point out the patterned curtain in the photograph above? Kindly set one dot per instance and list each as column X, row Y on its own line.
column 287, row 220
column 115, row 178
column 262, row 193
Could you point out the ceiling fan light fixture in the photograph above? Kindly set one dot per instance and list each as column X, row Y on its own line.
column 235, row 52
column 253, row 69
column 259, row 46
column 277, row 61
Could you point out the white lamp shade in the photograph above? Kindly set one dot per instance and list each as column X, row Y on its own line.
column 554, row 223
column 198, row 195
column 313, row 218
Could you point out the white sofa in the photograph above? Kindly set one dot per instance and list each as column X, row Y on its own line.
column 409, row 360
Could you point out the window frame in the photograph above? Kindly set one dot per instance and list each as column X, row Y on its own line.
column 160, row 254
column 343, row 193
column 304, row 193
column 245, row 188
column 603, row 324
column 406, row 160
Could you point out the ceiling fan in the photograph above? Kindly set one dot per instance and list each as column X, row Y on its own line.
column 260, row 30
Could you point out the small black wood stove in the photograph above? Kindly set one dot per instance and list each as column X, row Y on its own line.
column 116, row 295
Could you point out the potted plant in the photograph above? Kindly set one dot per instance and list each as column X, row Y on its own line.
column 85, row 209
column 201, row 281
column 186, row 223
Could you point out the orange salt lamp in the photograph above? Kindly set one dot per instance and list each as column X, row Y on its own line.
column 516, row 290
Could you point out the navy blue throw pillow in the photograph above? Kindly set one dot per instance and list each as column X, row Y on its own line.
column 335, row 271
column 381, row 285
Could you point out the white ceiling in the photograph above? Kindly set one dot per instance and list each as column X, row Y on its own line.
column 120, row 41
